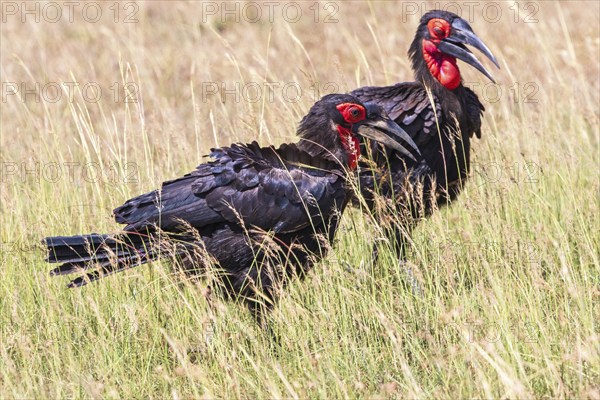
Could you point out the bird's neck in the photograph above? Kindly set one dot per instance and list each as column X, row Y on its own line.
column 331, row 151
column 451, row 100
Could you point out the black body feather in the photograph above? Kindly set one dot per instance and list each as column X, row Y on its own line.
column 259, row 215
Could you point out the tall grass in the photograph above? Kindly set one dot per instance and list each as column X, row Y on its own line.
column 509, row 274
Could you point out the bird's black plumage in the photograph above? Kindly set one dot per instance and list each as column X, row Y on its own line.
column 440, row 120
column 259, row 214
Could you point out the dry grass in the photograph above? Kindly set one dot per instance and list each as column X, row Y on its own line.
column 510, row 273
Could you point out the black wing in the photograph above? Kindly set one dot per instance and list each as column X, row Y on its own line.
column 266, row 188
column 474, row 112
column 409, row 105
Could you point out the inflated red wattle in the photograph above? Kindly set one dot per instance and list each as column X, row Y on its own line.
column 442, row 66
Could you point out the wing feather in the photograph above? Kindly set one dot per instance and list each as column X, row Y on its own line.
column 272, row 189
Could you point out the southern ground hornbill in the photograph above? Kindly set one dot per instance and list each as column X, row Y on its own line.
column 439, row 113
column 259, row 215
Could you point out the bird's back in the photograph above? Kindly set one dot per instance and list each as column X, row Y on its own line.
column 264, row 187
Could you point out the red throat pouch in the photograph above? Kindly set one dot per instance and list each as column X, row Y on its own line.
column 443, row 67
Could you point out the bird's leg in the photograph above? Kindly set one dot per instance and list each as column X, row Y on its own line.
column 401, row 246
column 260, row 313
column 207, row 294
column 375, row 252
column 400, row 243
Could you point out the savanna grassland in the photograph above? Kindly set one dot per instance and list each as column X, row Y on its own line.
column 95, row 112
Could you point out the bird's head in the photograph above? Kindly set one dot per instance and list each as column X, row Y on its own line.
column 332, row 128
column 439, row 41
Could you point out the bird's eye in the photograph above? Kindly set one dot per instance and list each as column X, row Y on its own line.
column 352, row 112
column 438, row 28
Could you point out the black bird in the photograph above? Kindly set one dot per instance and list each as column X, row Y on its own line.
column 439, row 113
column 259, row 214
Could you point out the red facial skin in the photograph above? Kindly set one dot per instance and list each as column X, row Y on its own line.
column 352, row 114
column 442, row 66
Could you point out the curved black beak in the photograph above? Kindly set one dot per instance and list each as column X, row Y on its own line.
column 382, row 129
column 454, row 45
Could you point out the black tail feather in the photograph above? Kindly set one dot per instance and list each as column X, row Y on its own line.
column 108, row 268
column 106, row 254
column 93, row 247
